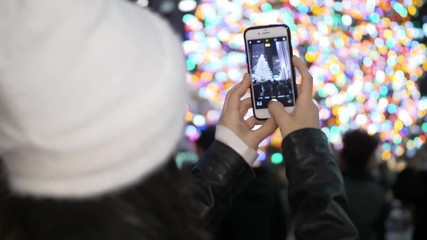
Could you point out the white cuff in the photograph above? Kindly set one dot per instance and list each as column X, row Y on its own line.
column 229, row 138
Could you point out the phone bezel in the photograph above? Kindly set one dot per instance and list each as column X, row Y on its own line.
column 262, row 32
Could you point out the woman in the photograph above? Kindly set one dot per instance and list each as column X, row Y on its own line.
column 92, row 107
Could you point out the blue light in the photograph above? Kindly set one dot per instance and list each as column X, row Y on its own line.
column 391, row 109
column 383, row 90
column 303, row 8
column 374, row 17
column 400, row 9
column 390, row 43
column 261, row 156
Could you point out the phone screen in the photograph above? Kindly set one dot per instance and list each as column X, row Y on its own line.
column 271, row 71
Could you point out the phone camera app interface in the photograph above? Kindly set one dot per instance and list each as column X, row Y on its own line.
column 271, row 71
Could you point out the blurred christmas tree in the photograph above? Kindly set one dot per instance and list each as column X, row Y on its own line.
column 368, row 60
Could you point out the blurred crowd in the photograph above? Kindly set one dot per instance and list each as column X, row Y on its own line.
column 384, row 204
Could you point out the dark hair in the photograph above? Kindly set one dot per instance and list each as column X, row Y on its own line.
column 358, row 146
column 158, row 208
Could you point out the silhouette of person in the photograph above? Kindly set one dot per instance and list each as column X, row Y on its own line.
column 367, row 198
column 410, row 188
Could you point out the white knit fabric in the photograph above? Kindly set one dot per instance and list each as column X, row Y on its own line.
column 92, row 95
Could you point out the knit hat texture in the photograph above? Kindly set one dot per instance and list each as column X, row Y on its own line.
column 92, row 95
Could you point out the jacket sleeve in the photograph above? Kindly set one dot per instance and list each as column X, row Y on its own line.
column 316, row 188
column 216, row 180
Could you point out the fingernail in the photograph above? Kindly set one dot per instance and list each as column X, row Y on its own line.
column 272, row 101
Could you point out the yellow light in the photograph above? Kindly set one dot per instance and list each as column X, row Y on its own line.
column 310, row 57
column 412, row 10
column 195, row 79
column 357, row 15
column 276, row 139
column 213, row 87
column 386, row 22
column 335, row 111
column 361, row 98
column 419, row 71
column 398, row 125
column 386, row 155
column 410, row 85
column 392, row 53
column 228, row 85
column 188, row 116
column 206, row 76
column 316, row 10
column 402, row 60
column 383, row 50
column 357, row 35
column 199, row 14
column 388, row 33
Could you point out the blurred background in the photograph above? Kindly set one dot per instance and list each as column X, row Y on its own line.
column 369, row 64
column 368, row 60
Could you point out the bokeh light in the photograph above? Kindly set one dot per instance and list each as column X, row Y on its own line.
column 365, row 58
column 277, row 158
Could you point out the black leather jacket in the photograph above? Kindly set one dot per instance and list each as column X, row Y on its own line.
column 316, row 188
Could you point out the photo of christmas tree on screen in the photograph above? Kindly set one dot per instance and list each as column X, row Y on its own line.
column 271, row 72
column 262, row 73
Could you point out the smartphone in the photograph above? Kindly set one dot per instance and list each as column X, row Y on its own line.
column 269, row 60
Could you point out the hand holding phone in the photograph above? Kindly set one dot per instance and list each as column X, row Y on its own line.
column 233, row 116
column 268, row 54
column 306, row 112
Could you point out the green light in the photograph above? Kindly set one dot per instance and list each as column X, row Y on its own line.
column 399, row 8
column 187, row 17
column 211, row 21
column 322, row 93
column 182, row 158
column 335, row 130
column 339, row 43
column 277, row 158
column 374, row 17
column 397, row 139
column 266, row 7
column 191, row 65
column 386, row 147
column 424, row 127
column 311, row 49
column 335, row 69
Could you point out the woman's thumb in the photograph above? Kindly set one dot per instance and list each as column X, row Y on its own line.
column 277, row 111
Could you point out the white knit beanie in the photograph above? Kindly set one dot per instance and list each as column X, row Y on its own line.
column 92, row 95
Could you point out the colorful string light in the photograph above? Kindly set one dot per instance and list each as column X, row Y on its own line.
column 364, row 57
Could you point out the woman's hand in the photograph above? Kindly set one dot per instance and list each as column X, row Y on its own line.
column 306, row 112
column 233, row 112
